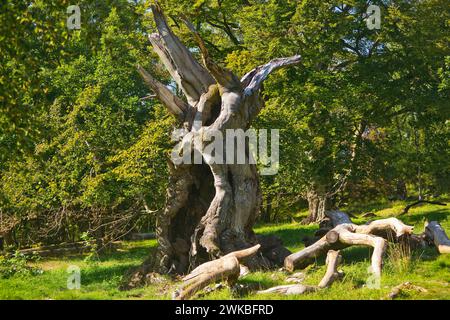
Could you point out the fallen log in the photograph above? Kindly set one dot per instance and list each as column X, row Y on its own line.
column 409, row 206
column 331, row 275
column 227, row 268
column 436, row 234
column 344, row 234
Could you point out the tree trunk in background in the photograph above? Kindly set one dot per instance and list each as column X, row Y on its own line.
column 211, row 207
column 318, row 203
column 402, row 192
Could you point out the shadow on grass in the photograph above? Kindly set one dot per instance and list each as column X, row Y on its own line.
column 135, row 253
column 416, row 218
column 111, row 274
column 292, row 237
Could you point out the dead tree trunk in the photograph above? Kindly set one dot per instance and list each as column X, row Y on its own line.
column 226, row 268
column 211, row 207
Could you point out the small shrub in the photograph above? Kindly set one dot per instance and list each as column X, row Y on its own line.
column 18, row 264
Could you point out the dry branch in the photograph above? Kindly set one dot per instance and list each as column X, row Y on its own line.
column 226, row 268
column 331, row 275
column 345, row 234
column 409, row 206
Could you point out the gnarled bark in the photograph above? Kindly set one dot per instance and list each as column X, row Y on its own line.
column 226, row 268
column 211, row 207
column 317, row 206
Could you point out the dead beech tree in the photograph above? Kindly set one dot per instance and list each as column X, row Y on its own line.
column 345, row 233
column 210, row 207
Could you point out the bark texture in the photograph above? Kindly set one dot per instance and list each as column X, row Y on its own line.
column 226, row 268
column 211, row 207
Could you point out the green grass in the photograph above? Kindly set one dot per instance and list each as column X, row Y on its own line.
column 100, row 279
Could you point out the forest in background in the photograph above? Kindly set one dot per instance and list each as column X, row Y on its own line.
column 84, row 145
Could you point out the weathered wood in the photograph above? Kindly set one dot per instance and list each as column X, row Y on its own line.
column 226, row 268
column 189, row 75
column 345, row 234
column 397, row 290
column 349, row 237
column 331, row 275
column 289, row 289
column 305, row 257
column 380, row 227
column 338, row 217
column 435, row 232
column 211, row 206
column 174, row 105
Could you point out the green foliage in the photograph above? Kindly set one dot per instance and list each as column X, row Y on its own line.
column 101, row 280
column 81, row 148
column 18, row 265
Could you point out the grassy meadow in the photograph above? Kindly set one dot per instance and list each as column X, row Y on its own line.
column 101, row 276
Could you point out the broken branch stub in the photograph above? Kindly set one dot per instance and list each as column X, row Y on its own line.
column 227, row 268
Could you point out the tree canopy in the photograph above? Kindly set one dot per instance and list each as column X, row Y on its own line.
column 84, row 144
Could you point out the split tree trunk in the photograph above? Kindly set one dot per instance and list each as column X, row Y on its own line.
column 211, row 207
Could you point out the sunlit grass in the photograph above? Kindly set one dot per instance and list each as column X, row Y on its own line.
column 100, row 279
